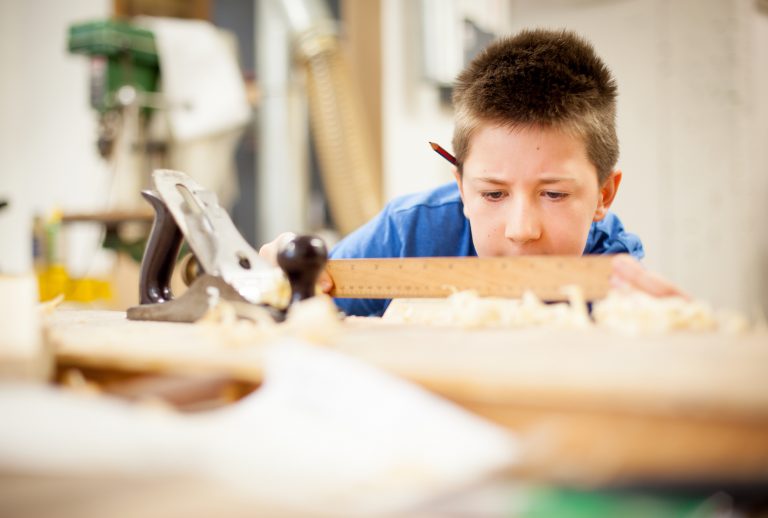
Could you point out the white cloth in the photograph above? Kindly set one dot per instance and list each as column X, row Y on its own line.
column 347, row 438
column 202, row 83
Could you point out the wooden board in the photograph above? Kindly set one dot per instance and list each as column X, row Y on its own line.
column 108, row 340
column 491, row 276
column 689, row 373
column 588, row 405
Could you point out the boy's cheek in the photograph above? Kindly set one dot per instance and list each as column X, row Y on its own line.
column 489, row 239
column 568, row 236
column 477, row 216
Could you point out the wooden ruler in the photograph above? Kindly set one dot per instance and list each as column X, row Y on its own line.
column 492, row 276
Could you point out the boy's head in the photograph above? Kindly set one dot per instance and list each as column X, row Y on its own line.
column 539, row 79
column 535, row 144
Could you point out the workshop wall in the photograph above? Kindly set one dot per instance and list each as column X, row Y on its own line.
column 692, row 122
column 48, row 155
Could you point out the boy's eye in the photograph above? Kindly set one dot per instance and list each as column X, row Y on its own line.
column 493, row 195
column 554, row 195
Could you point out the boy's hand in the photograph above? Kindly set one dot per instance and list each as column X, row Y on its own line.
column 628, row 272
column 269, row 252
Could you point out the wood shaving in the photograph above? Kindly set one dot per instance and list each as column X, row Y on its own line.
column 49, row 306
column 633, row 312
column 238, row 324
column 627, row 312
column 279, row 294
column 467, row 309
column 316, row 320
column 74, row 380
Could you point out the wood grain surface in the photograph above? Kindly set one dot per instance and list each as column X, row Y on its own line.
column 589, row 405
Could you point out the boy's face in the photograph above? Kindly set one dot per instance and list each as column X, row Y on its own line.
column 531, row 191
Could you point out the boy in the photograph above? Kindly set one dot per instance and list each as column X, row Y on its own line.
column 536, row 150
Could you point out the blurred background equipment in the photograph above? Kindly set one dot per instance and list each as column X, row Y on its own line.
column 347, row 165
column 306, row 77
column 124, row 84
column 168, row 93
column 452, row 33
column 124, row 64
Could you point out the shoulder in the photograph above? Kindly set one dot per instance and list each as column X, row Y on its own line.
column 419, row 215
column 444, row 196
column 608, row 236
column 432, row 223
column 428, row 223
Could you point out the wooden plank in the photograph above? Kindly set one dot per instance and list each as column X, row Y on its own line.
column 108, row 340
column 678, row 373
column 589, row 406
column 693, row 374
column 493, row 276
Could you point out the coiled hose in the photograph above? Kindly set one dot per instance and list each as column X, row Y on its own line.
column 348, row 168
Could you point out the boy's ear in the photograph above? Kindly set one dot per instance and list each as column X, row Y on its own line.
column 457, row 177
column 607, row 194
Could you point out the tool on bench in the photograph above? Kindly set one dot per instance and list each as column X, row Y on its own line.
column 231, row 269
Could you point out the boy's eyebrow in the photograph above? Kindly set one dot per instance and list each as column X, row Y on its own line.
column 546, row 180
column 489, row 179
column 556, row 179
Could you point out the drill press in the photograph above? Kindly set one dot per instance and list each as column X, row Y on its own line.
column 124, row 70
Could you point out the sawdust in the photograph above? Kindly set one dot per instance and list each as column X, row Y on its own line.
column 316, row 320
column 627, row 312
column 49, row 306
column 634, row 312
column 466, row 309
column 278, row 294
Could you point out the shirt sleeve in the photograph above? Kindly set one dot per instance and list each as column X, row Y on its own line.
column 377, row 238
column 609, row 237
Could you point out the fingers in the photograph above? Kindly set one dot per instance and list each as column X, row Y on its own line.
column 269, row 250
column 627, row 271
column 325, row 281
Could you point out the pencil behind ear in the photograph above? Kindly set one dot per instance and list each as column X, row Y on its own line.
column 607, row 194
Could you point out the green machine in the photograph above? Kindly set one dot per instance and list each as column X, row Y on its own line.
column 124, row 69
column 124, row 76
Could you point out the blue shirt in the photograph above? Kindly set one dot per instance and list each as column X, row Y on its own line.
column 432, row 224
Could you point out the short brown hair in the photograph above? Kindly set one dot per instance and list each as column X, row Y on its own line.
column 540, row 78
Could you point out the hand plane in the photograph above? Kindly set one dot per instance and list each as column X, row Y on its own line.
column 230, row 269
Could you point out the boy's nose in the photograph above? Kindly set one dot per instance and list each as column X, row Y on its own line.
column 522, row 225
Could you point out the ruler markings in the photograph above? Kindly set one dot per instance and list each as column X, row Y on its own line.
column 434, row 277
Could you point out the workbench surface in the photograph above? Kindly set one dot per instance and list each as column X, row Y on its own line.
column 592, row 402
